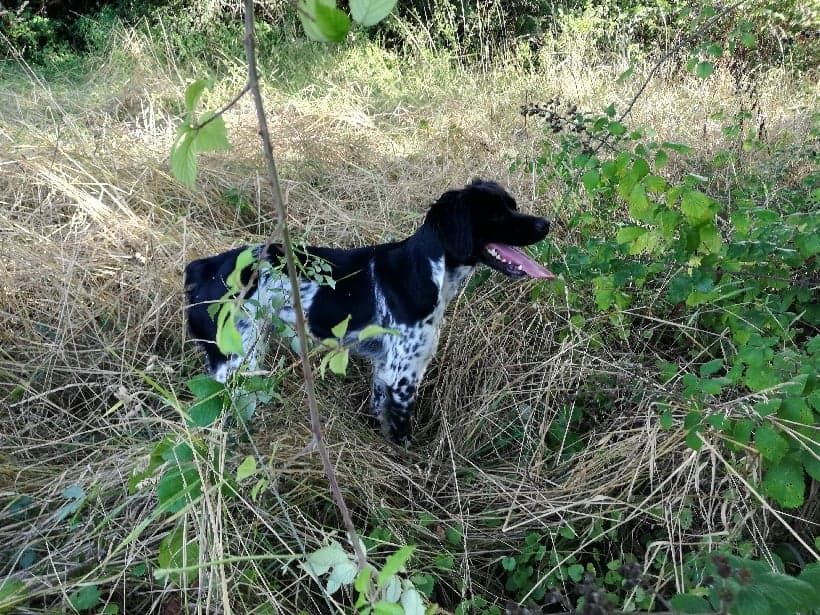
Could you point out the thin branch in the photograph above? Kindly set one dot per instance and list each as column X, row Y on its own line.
column 301, row 330
column 235, row 100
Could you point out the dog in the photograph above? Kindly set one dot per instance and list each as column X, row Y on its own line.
column 402, row 286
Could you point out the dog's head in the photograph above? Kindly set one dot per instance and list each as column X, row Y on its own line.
column 481, row 223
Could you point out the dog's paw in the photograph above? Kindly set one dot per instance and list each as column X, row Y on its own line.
column 397, row 429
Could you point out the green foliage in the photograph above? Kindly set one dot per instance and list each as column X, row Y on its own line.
column 726, row 265
column 378, row 591
column 743, row 586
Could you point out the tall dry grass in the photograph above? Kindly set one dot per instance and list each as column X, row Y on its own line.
column 95, row 234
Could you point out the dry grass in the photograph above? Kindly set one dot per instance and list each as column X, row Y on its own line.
column 95, row 234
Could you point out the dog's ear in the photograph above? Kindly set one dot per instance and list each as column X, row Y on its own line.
column 450, row 216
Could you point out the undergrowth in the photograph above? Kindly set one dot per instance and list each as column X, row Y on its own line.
column 640, row 435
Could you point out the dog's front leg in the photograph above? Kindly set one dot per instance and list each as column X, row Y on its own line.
column 394, row 397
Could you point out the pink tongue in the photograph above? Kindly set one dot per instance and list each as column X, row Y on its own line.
column 517, row 257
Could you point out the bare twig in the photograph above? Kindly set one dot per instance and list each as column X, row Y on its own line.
column 279, row 204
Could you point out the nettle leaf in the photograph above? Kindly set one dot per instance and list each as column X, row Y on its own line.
column 203, row 386
column 640, row 208
column 591, row 180
column 688, row 603
column 785, row 483
column 628, row 234
column 382, row 607
column 811, row 463
column 412, row 602
column 212, row 135
column 371, row 12
column 709, row 238
column 183, row 158
column 205, row 412
column 322, row 560
column 86, row 598
column 704, row 69
column 693, row 440
column 770, row 444
column 394, row 564
column 696, row 206
column 765, row 408
column 711, row 367
column 246, row 468
column 194, row 91
column 343, row 574
column 750, row 600
column 785, row 591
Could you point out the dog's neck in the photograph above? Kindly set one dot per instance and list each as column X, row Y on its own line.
column 454, row 278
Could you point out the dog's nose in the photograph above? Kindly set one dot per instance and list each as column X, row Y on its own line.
column 542, row 226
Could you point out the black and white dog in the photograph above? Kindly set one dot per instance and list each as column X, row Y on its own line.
column 404, row 286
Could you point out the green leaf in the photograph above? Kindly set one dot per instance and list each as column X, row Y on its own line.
column 786, row 592
column 86, row 598
column 212, row 136
column 661, row 158
column 243, row 260
column 382, row 607
column 785, row 483
column 228, row 338
column 628, row 234
column 591, row 179
column 576, row 572
column 343, row 574
column 667, row 420
column 748, row 40
column 693, row 440
column 812, row 466
column 322, row 560
column 455, row 535
column 370, row 12
column 193, row 93
column 338, row 361
column 639, row 206
column 394, row 563
column 749, row 600
column 508, row 563
column 411, row 600
column 183, row 158
column 625, row 75
column 333, row 23
column 704, row 69
column 679, row 148
column 696, row 206
column 687, row 603
column 246, row 468
column 770, row 444
column 203, row 386
column 340, row 329
column 616, row 129
column 12, row 592
column 176, row 552
column 709, row 238
column 765, row 408
column 711, row 367
column 179, row 486
column 374, row 330
column 362, row 582
column 205, row 412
